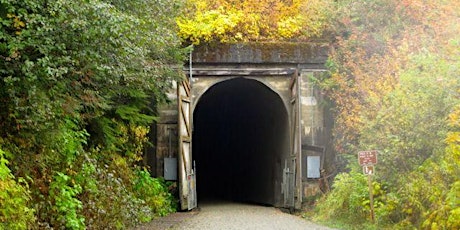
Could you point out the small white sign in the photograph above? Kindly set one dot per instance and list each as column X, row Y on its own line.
column 313, row 165
column 369, row 169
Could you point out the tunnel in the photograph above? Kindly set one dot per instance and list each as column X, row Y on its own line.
column 240, row 142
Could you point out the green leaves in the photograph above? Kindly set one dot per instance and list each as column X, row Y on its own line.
column 16, row 210
column 394, row 80
column 64, row 192
column 155, row 192
column 77, row 79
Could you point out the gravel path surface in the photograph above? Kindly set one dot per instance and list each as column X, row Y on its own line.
column 227, row 216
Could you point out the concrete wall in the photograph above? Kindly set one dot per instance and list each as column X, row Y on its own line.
column 316, row 131
column 272, row 64
column 279, row 84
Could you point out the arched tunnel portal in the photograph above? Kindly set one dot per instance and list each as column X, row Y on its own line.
column 240, row 141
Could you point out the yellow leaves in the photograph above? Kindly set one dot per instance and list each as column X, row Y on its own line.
column 453, row 137
column 209, row 25
column 454, row 121
column 290, row 26
column 119, row 161
column 454, row 118
column 140, row 132
column 231, row 20
column 18, row 24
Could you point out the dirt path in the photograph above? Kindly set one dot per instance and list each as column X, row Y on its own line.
column 223, row 215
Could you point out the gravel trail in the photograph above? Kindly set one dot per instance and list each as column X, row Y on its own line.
column 222, row 215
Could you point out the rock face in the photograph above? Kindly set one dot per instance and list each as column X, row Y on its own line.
column 261, row 132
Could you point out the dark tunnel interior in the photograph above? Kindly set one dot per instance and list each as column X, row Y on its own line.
column 239, row 140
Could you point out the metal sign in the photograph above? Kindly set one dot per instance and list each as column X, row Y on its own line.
column 367, row 157
column 368, row 170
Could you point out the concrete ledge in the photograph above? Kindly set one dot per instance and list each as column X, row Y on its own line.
column 241, row 71
column 262, row 52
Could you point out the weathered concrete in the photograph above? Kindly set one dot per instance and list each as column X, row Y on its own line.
column 263, row 53
column 273, row 66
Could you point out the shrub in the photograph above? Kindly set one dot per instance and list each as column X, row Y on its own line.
column 64, row 191
column 15, row 209
column 345, row 202
column 154, row 191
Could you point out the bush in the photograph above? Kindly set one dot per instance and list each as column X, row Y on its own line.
column 106, row 197
column 15, row 209
column 64, row 192
column 118, row 195
column 154, row 191
column 79, row 83
column 394, row 81
column 348, row 204
column 346, row 201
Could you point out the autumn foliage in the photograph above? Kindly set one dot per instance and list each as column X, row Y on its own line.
column 394, row 80
column 80, row 81
column 236, row 21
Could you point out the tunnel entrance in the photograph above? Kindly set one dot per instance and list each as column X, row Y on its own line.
column 240, row 139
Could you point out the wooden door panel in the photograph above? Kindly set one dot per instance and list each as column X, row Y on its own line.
column 187, row 188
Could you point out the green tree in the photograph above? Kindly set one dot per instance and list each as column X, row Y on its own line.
column 79, row 84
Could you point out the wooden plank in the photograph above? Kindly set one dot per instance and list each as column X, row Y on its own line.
column 184, row 135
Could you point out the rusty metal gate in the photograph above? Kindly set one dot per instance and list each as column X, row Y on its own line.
column 187, row 177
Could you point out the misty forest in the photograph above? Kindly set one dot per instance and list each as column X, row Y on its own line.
column 81, row 83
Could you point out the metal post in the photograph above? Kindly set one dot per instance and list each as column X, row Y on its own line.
column 170, row 142
column 190, row 68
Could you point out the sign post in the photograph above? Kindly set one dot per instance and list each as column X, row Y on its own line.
column 371, row 197
column 367, row 159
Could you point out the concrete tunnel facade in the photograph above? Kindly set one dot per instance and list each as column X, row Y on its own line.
column 255, row 134
column 240, row 139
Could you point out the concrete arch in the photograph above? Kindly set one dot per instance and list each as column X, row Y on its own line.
column 198, row 93
column 241, row 136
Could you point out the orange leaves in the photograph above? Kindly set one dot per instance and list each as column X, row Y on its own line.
column 378, row 41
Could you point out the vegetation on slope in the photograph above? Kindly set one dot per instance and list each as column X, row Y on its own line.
column 208, row 21
column 79, row 84
column 395, row 81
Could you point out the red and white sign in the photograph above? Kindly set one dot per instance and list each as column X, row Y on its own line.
column 367, row 157
column 368, row 170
